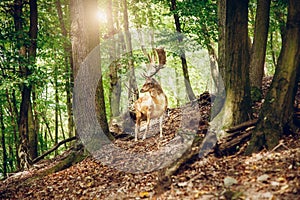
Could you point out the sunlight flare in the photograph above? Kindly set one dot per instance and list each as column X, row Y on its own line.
column 101, row 16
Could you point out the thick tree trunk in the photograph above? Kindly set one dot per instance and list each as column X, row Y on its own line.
column 237, row 107
column 25, row 160
column 184, row 65
column 79, row 35
column 25, row 72
column 258, row 51
column 277, row 110
column 85, row 37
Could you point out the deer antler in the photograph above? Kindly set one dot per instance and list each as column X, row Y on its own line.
column 162, row 62
column 157, row 68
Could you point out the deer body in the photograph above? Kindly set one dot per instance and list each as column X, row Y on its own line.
column 150, row 107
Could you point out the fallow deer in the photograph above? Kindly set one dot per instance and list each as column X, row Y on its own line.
column 153, row 105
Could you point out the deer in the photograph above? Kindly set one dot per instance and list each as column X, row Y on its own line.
column 155, row 104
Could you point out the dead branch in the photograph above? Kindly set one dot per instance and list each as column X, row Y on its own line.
column 241, row 126
column 53, row 149
column 230, row 145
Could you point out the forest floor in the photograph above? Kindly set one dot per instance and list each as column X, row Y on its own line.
column 271, row 174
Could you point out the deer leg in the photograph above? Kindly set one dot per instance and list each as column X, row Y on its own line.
column 137, row 126
column 147, row 127
column 160, row 126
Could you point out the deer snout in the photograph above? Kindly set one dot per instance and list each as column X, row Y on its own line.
column 142, row 90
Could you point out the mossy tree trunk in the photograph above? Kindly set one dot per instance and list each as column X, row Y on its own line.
column 237, row 107
column 277, row 110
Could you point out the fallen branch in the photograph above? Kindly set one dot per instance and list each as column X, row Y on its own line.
column 53, row 149
column 74, row 155
column 230, row 145
column 241, row 126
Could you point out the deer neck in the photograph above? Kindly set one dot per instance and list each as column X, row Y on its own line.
column 154, row 92
column 157, row 96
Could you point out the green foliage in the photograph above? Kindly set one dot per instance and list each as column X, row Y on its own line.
column 48, row 74
column 50, row 62
column 278, row 15
column 199, row 20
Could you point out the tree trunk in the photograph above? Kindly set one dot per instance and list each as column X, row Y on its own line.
column 14, row 118
column 56, row 107
column 133, row 93
column 32, row 139
column 277, row 110
column 187, row 81
column 213, row 60
column 4, row 153
column 221, row 40
column 79, row 35
column 25, row 160
column 32, row 134
column 25, row 72
column 237, row 107
column 258, row 51
column 85, row 37
column 68, row 68
column 115, row 85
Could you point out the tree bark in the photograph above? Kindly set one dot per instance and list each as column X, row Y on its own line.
column 33, row 31
column 14, row 122
column 184, row 65
column 56, row 100
column 258, row 51
column 133, row 93
column 213, row 60
column 68, row 68
column 4, row 153
column 25, row 72
column 237, row 108
column 221, row 37
column 85, row 37
column 115, row 85
column 32, row 134
column 277, row 110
